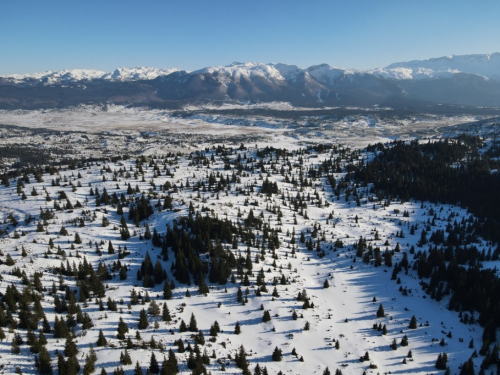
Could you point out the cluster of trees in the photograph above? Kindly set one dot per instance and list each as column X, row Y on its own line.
column 449, row 171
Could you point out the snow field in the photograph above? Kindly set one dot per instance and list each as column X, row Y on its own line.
column 344, row 312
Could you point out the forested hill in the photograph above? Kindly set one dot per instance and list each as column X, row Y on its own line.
column 450, row 171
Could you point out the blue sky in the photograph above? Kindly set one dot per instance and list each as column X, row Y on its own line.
column 76, row 34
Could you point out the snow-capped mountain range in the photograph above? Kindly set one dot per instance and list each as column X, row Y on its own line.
column 486, row 65
column 472, row 80
column 483, row 65
column 76, row 75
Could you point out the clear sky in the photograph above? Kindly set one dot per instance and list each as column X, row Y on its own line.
column 41, row 35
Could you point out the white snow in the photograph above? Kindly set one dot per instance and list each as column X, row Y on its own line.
column 250, row 69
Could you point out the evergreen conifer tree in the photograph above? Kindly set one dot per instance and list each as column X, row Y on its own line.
column 101, row 340
column 380, row 311
column 266, row 317
column 42, row 362
column 277, row 355
column 122, row 329
column 154, row 368
column 143, row 320
column 193, row 327
column 138, row 369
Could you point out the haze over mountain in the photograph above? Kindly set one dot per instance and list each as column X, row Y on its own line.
column 471, row 80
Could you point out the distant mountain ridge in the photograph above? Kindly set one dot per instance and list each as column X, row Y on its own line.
column 472, row 80
column 76, row 75
column 487, row 65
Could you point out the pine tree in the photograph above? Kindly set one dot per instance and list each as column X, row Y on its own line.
column 380, row 311
column 14, row 349
column 122, row 329
column 123, row 273
column 167, row 290
column 413, row 322
column 166, row 313
column 467, row 367
column 154, row 309
column 277, row 355
column 202, row 286
column 172, row 365
column 70, row 348
column 42, row 362
column 266, row 317
column 101, row 340
column 90, row 360
column 214, row 329
column 111, row 249
column 241, row 359
column 394, row 344
column 193, row 327
column 404, row 341
column 125, row 358
column 61, row 364
column 275, row 293
column 154, row 368
column 138, row 369
column 72, row 366
column 237, row 329
column 182, row 326
column 441, row 361
column 143, row 320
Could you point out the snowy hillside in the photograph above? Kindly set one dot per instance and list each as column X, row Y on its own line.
column 229, row 260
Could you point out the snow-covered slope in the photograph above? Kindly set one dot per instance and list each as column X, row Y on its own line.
column 249, row 70
column 343, row 295
column 326, row 73
column 487, row 65
column 140, row 73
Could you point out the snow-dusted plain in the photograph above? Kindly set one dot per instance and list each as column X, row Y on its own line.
column 104, row 130
column 341, row 322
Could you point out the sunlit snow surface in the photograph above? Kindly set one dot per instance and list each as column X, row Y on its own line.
column 343, row 312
